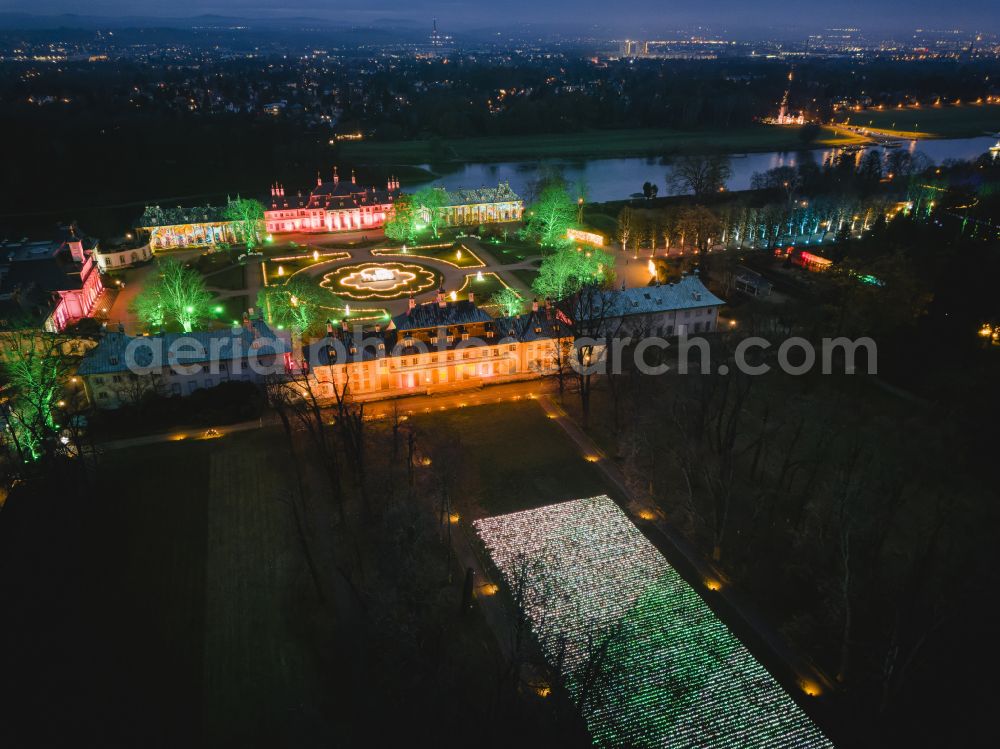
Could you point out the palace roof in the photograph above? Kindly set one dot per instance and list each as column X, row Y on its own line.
column 688, row 293
column 154, row 215
column 47, row 265
column 337, row 195
column 109, row 356
column 474, row 196
column 438, row 315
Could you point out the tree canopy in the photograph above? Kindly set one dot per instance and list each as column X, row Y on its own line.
column 298, row 304
column 177, row 295
column 567, row 269
column 429, row 204
column 402, row 225
column 551, row 215
column 508, row 301
column 698, row 174
column 247, row 216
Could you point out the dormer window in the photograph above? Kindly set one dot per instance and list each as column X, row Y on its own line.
column 113, row 360
column 538, row 328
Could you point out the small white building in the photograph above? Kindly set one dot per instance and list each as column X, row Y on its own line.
column 121, row 257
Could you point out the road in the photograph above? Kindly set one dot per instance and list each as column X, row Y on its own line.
column 408, row 406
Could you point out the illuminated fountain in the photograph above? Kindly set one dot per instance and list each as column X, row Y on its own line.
column 379, row 280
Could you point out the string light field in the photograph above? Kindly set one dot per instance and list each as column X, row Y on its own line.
column 641, row 654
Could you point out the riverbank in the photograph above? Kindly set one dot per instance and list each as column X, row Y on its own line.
column 587, row 145
column 954, row 121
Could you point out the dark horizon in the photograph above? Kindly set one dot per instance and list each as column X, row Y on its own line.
column 642, row 17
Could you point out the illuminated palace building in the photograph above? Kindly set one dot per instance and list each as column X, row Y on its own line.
column 55, row 282
column 339, row 205
column 438, row 345
column 484, row 205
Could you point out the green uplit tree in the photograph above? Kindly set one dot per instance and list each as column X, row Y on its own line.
column 298, row 304
column 247, row 217
column 178, row 295
column 429, row 205
column 402, row 225
column 563, row 272
column 550, row 217
column 33, row 370
column 507, row 301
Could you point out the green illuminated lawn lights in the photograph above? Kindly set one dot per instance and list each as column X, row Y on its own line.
column 644, row 658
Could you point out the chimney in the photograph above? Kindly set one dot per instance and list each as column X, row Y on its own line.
column 472, row 297
column 319, row 180
column 413, row 303
column 440, row 298
column 354, row 178
column 534, row 305
column 548, row 303
column 273, row 190
column 329, row 327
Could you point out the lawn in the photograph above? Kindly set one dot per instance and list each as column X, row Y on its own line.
column 525, row 276
column 522, row 458
column 232, row 309
column 449, row 254
column 946, row 122
column 212, row 577
column 166, row 607
column 593, row 144
column 484, row 289
column 232, row 278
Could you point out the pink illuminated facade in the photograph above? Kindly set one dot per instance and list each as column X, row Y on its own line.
column 75, row 304
column 59, row 277
column 338, row 205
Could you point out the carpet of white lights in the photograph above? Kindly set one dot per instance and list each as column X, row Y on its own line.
column 642, row 655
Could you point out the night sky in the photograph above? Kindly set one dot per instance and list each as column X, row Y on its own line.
column 731, row 15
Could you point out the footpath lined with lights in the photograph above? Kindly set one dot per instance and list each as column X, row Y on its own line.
column 644, row 658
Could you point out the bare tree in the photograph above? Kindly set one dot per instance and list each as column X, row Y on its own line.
column 698, row 174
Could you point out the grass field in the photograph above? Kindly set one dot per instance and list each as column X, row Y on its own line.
column 232, row 308
column 213, row 577
column 447, row 254
column 602, row 144
column 522, row 458
column 232, row 278
column 527, row 277
column 945, row 122
column 171, row 608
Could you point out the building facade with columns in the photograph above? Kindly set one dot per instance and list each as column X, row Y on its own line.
column 337, row 205
column 200, row 226
column 483, row 205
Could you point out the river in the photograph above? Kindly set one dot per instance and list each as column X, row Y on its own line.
column 617, row 179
